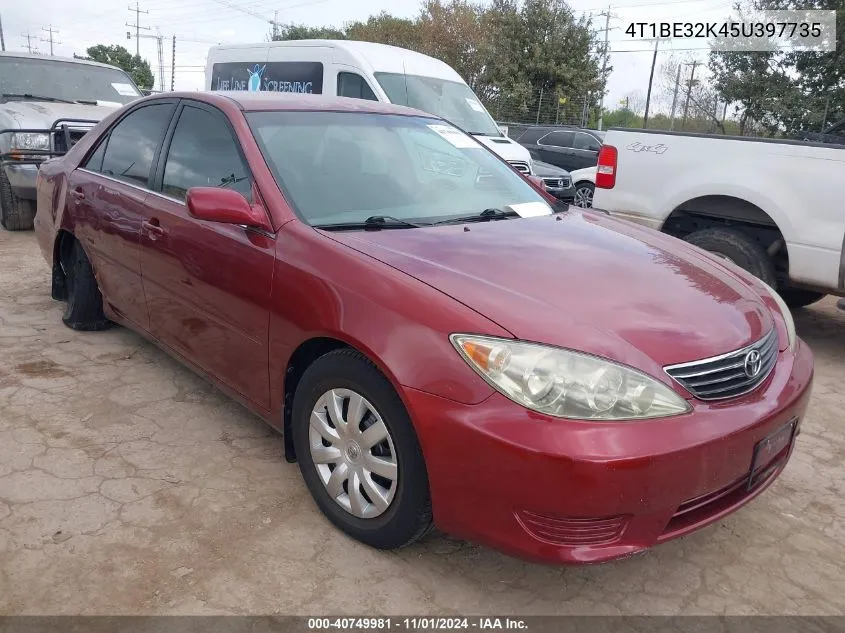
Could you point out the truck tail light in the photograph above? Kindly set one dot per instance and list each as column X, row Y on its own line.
column 606, row 168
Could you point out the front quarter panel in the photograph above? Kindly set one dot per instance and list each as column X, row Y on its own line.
column 322, row 288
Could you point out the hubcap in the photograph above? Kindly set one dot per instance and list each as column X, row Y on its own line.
column 584, row 197
column 353, row 453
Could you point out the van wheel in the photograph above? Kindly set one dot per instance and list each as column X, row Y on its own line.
column 796, row 298
column 84, row 310
column 358, row 452
column 15, row 214
column 737, row 248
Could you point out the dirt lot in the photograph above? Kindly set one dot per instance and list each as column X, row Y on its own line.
column 129, row 485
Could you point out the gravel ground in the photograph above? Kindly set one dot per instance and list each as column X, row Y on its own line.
column 128, row 485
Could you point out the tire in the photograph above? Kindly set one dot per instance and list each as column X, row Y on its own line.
column 408, row 517
column 739, row 249
column 84, row 310
column 15, row 214
column 584, row 195
column 796, row 298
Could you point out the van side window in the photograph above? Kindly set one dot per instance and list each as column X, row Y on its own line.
column 355, row 86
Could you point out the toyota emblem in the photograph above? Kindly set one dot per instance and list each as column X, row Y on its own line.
column 753, row 363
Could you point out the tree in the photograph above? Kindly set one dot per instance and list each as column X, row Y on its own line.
column 387, row 29
column 138, row 68
column 303, row 32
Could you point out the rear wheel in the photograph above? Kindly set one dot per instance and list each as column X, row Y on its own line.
column 84, row 310
column 16, row 214
column 358, row 452
column 737, row 248
column 796, row 298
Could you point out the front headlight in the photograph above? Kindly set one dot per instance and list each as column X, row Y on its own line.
column 31, row 140
column 567, row 384
column 785, row 312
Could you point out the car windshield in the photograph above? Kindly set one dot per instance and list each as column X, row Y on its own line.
column 68, row 81
column 450, row 100
column 345, row 167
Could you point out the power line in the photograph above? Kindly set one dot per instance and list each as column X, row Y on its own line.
column 28, row 37
column 138, row 27
column 51, row 31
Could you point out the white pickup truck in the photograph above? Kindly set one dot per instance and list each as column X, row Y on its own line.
column 774, row 207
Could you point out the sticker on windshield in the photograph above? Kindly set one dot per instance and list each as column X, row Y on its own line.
column 125, row 90
column 474, row 105
column 531, row 209
column 455, row 137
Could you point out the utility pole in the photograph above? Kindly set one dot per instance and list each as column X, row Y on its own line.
column 28, row 37
column 138, row 27
column 51, row 31
column 606, row 15
column 650, row 80
column 675, row 98
column 2, row 37
column 694, row 63
column 275, row 25
column 173, row 66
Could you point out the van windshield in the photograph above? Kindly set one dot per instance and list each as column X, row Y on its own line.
column 70, row 81
column 451, row 100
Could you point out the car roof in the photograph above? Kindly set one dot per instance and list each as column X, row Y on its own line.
column 269, row 101
column 54, row 58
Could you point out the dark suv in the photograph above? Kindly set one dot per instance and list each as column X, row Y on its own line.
column 566, row 147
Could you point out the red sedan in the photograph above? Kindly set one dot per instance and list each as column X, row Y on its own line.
column 437, row 343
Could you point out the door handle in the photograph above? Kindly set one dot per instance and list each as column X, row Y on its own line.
column 78, row 194
column 153, row 228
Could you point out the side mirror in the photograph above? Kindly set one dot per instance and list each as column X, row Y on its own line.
column 224, row 205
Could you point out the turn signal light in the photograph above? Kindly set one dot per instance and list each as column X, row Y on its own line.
column 606, row 168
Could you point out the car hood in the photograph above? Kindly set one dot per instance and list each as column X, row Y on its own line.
column 583, row 281
column 42, row 114
column 504, row 147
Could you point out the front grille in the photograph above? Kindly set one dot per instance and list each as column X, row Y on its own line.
column 556, row 183
column 522, row 166
column 572, row 531
column 728, row 375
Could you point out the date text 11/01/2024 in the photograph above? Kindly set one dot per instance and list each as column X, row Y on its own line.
column 417, row 624
column 734, row 30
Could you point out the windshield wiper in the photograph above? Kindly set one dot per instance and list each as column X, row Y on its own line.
column 485, row 216
column 374, row 222
column 11, row 95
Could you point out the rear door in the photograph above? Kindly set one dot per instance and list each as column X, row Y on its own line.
column 585, row 150
column 208, row 284
column 556, row 148
column 109, row 194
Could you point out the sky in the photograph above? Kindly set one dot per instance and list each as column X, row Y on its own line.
column 198, row 24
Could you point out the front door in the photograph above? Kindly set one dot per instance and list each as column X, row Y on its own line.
column 555, row 148
column 208, row 284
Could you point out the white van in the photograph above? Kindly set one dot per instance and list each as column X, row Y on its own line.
column 362, row 70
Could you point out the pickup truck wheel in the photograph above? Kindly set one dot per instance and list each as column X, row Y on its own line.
column 15, row 214
column 737, row 248
column 796, row 298
column 358, row 452
column 84, row 310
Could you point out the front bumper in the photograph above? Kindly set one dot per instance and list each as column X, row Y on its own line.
column 21, row 178
column 565, row 491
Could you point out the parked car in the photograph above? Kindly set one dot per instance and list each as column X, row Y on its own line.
column 584, row 184
column 46, row 105
column 770, row 206
column 416, row 334
column 565, row 147
column 361, row 70
column 834, row 134
column 556, row 181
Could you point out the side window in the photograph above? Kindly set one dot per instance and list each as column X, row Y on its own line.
column 355, row 86
column 586, row 141
column 133, row 142
column 95, row 160
column 557, row 139
column 203, row 153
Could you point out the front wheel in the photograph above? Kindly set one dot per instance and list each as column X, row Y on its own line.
column 16, row 214
column 358, row 452
column 584, row 195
